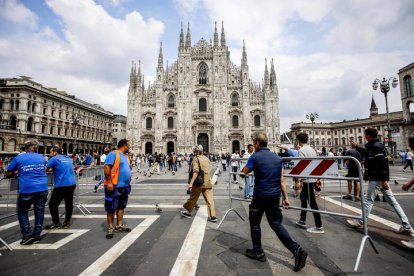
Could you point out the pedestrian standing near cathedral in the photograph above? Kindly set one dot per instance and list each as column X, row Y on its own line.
column 377, row 173
column 33, row 190
column 269, row 186
column 64, row 185
column 408, row 158
column 308, row 189
column 199, row 164
column 235, row 165
column 117, row 187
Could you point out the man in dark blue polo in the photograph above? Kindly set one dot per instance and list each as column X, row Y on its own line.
column 64, row 186
column 269, row 185
column 32, row 190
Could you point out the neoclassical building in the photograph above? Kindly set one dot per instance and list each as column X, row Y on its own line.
column 406, row 75
column 30, row 110
column 201, row 98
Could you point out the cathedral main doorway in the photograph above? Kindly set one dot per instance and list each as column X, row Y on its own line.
column 236, row 146
column 202, row 139
column 148, row 148
column 170, row 147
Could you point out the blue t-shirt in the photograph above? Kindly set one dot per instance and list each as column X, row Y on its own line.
column 293, row 152
column 88, row 160
column 32, row 173
column 63, row 172
column 124, row 178
column 267, row 168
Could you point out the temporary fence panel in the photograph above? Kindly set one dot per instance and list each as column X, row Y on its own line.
column 309, row 170
column 86, row 176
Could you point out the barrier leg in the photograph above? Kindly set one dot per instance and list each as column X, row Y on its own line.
column 225, row 215
column 361, row 248
column 6, row 245
column 78, row 204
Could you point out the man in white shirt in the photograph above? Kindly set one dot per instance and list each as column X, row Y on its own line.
column 248, row 180
column 408, row 160
column 235, row 165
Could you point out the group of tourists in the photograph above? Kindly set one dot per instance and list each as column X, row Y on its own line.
column 258, row 164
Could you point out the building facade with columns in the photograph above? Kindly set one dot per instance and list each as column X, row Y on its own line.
column 406, row 75
column 30, row 110
column 339, row 134
column 201, row 98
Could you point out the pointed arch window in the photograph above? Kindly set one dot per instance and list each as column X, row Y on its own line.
column 171, row 101
column 235, row 100
column 202, row 105
column 408, row 86
column 170, row 122
column 257, row 120
column 202, row 73
column 149, row 122
column 235, row 121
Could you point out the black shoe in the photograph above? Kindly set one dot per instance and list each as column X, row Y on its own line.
column 261, row 257
column 377, row 198
column 25, row 240
column 95, row 189
column 300, row 259
column 30, row 240
column 185, row 214
column 53, row 226
column 212, row 219
column 65, row 225
column 110, row 233
column 383, row 199
column 197, row 207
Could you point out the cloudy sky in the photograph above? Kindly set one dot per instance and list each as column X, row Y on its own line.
column 326, row 52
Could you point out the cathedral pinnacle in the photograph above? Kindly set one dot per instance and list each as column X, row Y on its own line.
column 272, row 75
column 215, row 35
column 223, row 36
column 266, row 75
column 374, row 109
column 188, row 38
column 181, row 46
column 244, row 55
column 160, row 57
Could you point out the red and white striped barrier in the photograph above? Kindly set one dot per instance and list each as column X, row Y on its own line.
column 303, row 168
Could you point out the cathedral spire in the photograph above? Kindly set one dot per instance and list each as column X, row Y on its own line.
column 223, row 36
column 133, row 69
column 160, row 57
column 244, row 55
column 139, row 70
column 143, row 81
column 188, row 37
column 374, row 109
column 272, row 75
column 215, row 35
column 266, row 75
column 181, row 46
column 166, row 71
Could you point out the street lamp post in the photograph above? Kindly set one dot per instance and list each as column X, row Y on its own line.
column 385, row 88
column 76, row 120
column 312, row 116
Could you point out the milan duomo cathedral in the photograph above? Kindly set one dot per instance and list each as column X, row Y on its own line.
column 202, row 98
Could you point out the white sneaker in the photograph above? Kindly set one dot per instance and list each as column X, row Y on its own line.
column 315, row 230
column 406, row 231
column 355, row 223
column 407, row 244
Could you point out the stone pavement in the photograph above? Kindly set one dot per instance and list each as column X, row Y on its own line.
column 164, row 243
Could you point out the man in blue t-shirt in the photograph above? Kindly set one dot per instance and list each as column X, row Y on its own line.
column 269, row 185
column 64, row 186
column 88, row 159
column 32, row 190
column 117, row 191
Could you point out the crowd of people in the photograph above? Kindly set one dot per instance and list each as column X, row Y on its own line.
column 261, row 170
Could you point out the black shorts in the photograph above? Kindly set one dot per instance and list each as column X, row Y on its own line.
column 352, row 172
column 116, row 199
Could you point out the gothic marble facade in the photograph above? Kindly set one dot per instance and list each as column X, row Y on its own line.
column 201, row 98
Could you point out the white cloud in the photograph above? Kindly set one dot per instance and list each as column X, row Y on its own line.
column 186, row 7
column 93, row 61
column 15, row 12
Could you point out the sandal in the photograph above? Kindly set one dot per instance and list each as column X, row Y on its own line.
column 122, row 228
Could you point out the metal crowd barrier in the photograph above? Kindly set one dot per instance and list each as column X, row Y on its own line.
column 84, row 175
column 291, row 163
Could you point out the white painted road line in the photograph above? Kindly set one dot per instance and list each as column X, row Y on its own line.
column 187, row 260
column 388, row 223
column 101, row 264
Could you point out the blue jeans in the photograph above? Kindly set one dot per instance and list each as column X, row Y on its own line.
column 248, row 186
column 270, row 206
column 389, row 196
column 24, row 202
